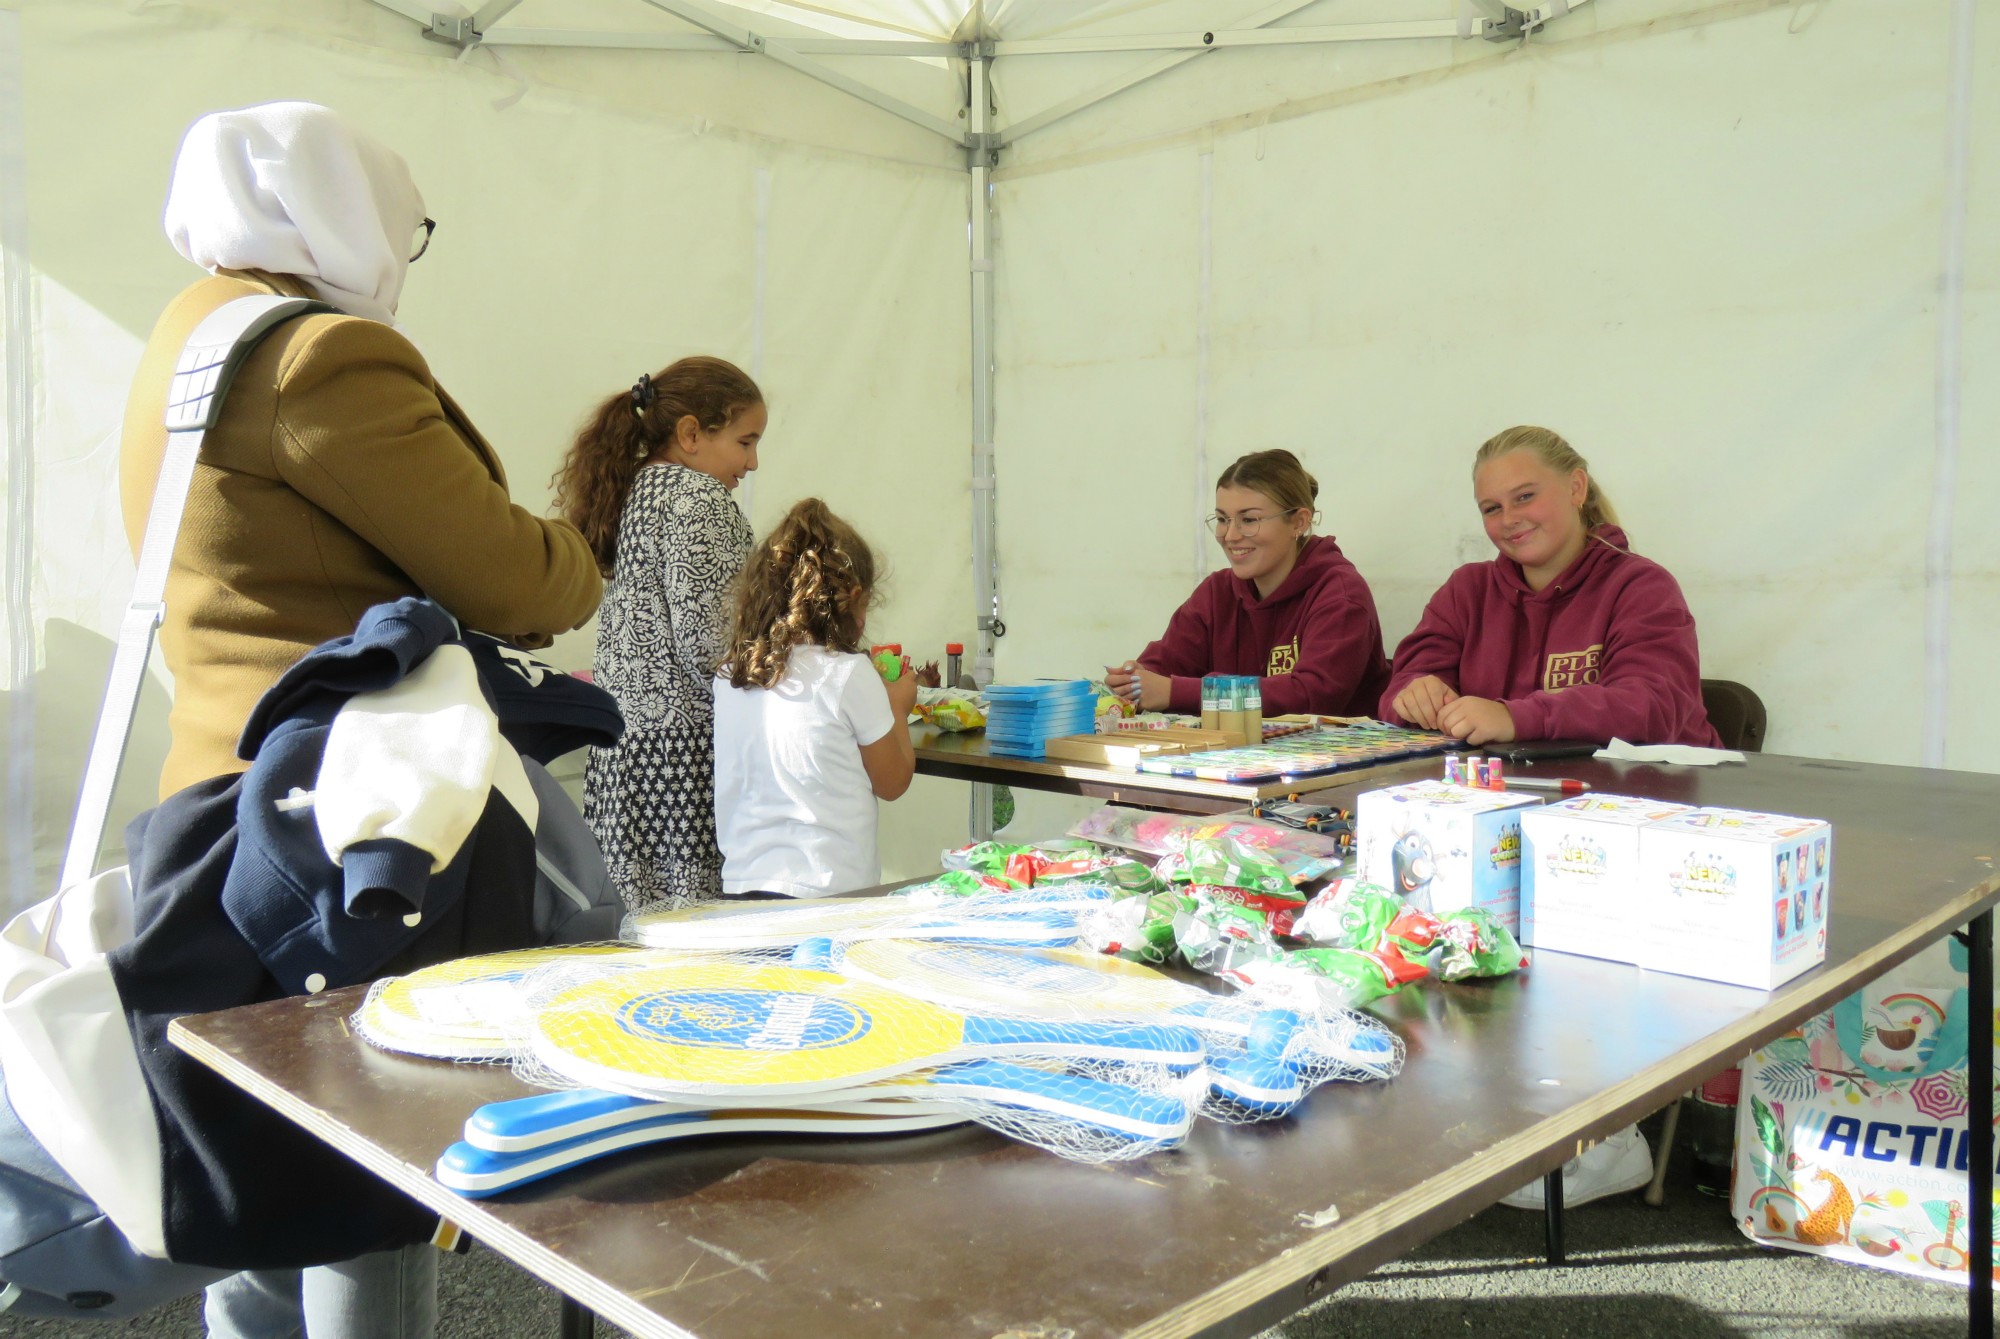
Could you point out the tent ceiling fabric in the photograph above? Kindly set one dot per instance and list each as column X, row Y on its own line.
column 907, row 56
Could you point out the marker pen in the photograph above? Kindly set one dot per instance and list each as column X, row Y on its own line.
column 1567, row 785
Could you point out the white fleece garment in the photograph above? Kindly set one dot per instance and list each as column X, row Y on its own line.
column 414, row 761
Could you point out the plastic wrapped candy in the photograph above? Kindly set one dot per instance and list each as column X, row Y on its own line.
column 1475, row 943
column 987, row 857
column 1121, row 872
column 958, row 883
column 1274, row 913
column 1138, row 928
column 1219, row 860
column 1313, row 978
column 1348, row 913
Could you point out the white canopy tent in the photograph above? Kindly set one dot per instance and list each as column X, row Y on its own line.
column 1734, row 251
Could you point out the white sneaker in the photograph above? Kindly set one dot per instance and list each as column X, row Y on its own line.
column 1621, row 1162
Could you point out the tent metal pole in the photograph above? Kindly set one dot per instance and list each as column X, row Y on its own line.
column 1202, row 40
column 980, row 160
column 756, row 43
column 491, row 13
column 630, row 41
column 1946, row 392
column 1071, row 106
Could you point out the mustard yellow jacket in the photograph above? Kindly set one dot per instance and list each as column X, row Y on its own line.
column 340, row 475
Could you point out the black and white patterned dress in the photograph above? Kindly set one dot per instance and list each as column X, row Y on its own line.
column 663, row 627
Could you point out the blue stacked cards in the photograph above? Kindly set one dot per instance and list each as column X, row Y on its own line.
column 1021, row 718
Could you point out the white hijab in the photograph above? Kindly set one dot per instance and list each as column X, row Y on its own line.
column 290, row 188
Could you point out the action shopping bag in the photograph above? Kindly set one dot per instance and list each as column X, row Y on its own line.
column 1851, row 1138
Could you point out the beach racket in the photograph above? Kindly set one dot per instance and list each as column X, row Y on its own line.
column 1046, row 916
column 523, row 1124
column 1064, row 1112
column 478, row 1172
column 1058, row 983
column 461, row 1010
column 743, row 1031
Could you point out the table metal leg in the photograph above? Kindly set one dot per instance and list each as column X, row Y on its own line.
column 1552, row 1216
column 980, row 822
column 578, row 1320
column 1979, row 1074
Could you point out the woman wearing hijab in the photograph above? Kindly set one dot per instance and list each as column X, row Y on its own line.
column 340, row 476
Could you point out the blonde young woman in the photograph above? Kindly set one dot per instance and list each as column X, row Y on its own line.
column 1565, row 634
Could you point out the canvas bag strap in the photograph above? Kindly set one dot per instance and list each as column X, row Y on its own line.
column 207, row 365
column 1948, row 1051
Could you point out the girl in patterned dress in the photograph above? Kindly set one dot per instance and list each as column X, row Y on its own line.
column 648, row 482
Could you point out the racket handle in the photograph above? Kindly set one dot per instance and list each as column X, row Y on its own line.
column 1263, row 1088
column 478, row 1172
column 548, row 1118
column 1094, row 1102
column 1143, row 1043
column 1267, row 1032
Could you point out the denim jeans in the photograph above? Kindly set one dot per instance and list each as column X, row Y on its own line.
column 387, row 1295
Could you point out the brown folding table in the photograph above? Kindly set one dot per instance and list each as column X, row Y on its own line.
column 967, row 757
column 959, row 1232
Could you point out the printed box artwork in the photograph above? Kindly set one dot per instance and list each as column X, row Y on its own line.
column 1580, row 874
column 1734, row 896
column 1444, row 847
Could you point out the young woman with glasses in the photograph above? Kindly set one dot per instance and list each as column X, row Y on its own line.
column 1289, row 608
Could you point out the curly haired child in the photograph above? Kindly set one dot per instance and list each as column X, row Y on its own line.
column 808, row 734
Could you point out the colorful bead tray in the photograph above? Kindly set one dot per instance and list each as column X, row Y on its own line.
column 1311, row 753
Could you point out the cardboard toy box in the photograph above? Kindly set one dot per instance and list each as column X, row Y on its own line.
column 1580, row 873
column 1734, row 896
column 1443, row 847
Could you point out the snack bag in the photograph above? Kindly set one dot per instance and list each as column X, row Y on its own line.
column 1120, row 872
column 1220, row 860
column 1349, row 913
column 954, row 883
column 1273, row 912
column 1316, row 978
column 951, row 709
column 1476, row 944
column 1138, row 928
column 988, row 857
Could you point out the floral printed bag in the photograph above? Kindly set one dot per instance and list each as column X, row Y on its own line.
column 1851, row 1133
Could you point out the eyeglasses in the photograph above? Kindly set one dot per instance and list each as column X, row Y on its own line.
column 429, row 226
column 1247, row 526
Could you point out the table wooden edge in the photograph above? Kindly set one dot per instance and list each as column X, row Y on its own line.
column 1351, row 1248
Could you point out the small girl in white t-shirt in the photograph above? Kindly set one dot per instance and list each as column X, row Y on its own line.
column 807, row 733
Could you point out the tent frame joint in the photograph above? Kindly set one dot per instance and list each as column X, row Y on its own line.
column 451, row 30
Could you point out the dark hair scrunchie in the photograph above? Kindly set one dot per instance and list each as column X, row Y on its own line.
column 644, row 395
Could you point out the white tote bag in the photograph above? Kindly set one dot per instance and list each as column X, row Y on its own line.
column 72, row 1074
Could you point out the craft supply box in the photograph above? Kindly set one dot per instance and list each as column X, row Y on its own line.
column 1580, row 873
column 1722, row 895
column 1445, row 848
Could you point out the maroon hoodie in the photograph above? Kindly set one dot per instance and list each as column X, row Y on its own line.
column 1606, row 649
column 1315, row 640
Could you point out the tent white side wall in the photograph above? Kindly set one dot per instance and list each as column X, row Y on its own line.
column 1702, row 240
column 585, row 235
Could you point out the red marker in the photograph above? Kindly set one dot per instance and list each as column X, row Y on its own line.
column 1567, row 785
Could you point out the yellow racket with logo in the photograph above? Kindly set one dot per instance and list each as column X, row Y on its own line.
column 738, row 1031
column 462, row 1009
